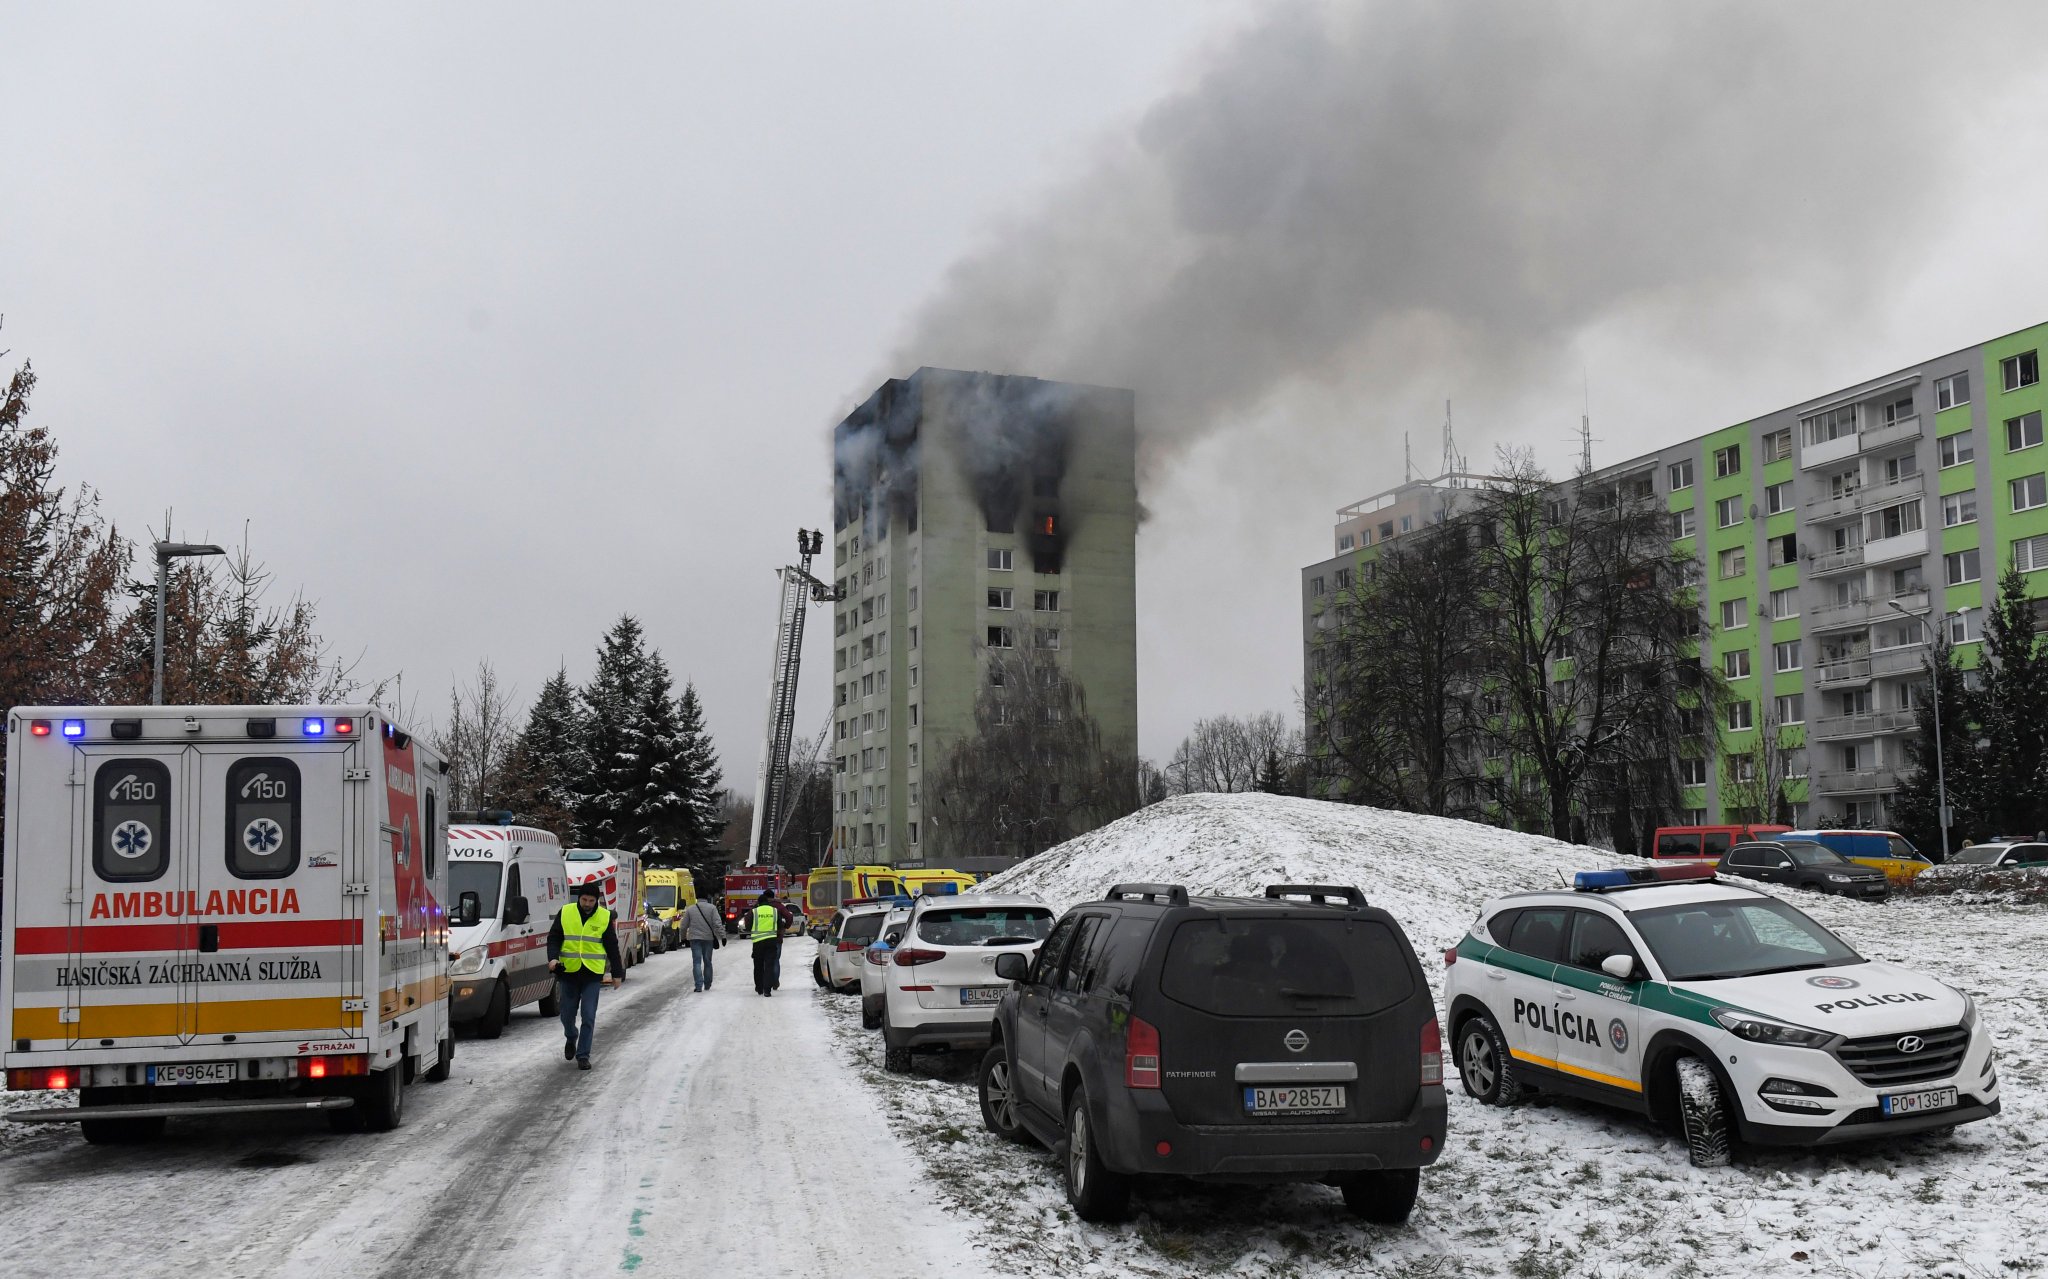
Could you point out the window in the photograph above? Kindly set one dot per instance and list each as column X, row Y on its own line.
column 2022, row 432
column 1958, row 448
column 913, row 677
column 999, row 559
column 1966, row 626
column 1045, row 601
column 1000, row 637
column 1786, row 655
column 263, row 821
column 913, row 832
column 1778, row 445
column 2030, row 492
column 1785, row 603
column 913, row 746
column 1346, row 542
column 1407, row 523
column 1783, row 550
column 2029, row 554
column 1952, row 390
column 1734, row 614
column 1681, row 475
column 1692, row 772
column 867, row 611
column 913, row 724
column 867, row 685
column 1343, row 579
column 1959, row 508
column 1778, row 497
column 1681, row 524
column 1903, row 467
column 867, row 573
column 1907, row 581
column 1734, row 562
column 1894, row 521
column 1045, row 636
column 1845, row 483
column 1735, row 665
column 131, row 820
column 1741, row 715
column 1728, row 512
column 913, row 637
column 1832, row 424
column 999, row 596
column 2020, row 370
column 1960, row 567
column 1316, row 586
column 1728, row 461
column 867, row 758
column 1386, row 529
column 1790, row 709
column 913, row 599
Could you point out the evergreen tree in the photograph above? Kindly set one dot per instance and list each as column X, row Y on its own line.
column 2012, row 713
column 608, row 793
column 662, row 815
column 1916, row 806
column 1271, row 780
column 547, row 761
column 704, row 780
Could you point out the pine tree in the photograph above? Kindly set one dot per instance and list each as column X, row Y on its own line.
column 662, row 816
column 1271, row 780
column 546, row 762
column 703, row 779
column 607, row 794
column 2013, row 712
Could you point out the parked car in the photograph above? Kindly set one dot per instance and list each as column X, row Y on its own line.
column 1289, row 1037
column 1883, row 850
column 2003, row 855
column 841, row 943
column 1706, row 843
column 873, row 965
column 1803, row 864
column 939, row 988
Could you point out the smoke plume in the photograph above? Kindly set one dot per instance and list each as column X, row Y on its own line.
column 1346, row 195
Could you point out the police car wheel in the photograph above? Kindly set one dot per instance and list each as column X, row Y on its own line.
column 869, row 1020
column 1703, row 1114
column 1384, row 1198
column 819, row 975
column 1485, row 1066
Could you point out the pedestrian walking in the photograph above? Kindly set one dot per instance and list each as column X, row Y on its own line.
column 583, row 953
column 764, row 929
column 705, row 932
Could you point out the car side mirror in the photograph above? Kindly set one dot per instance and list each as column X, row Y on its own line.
column 469, row 908
column 1619, row 967
column 1013, row 966
column 517, row 911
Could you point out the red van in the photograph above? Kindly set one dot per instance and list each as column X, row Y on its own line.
column 1706, row 843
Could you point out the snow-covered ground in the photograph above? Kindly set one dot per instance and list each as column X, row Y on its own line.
column 1553, row 1188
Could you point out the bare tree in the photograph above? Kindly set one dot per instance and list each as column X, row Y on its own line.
column 1224, row 753
column 1753, row 777
column 480, row 732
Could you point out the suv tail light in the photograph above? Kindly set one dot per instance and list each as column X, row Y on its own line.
column 911, row 957
column 848, row 947
column 1432, row 1055
column 1141, row 1054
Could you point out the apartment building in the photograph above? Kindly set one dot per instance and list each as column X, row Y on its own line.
column 974, row 512
column 1823, row 533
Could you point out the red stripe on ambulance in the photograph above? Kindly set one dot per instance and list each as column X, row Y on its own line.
column 234, row 935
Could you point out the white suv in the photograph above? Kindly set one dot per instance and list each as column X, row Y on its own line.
column 939, row 986
column 875, row 965
column 838, row 964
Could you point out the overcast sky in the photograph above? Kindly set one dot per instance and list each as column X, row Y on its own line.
column 497, row 321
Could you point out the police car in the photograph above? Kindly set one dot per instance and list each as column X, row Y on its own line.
column 1684, row 997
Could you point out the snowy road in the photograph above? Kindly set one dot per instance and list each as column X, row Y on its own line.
column 719, row 1131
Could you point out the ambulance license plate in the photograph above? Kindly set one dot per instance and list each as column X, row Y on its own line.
column 982, row 994
column 1320, row 1098
column 1913, row 1103
column 204, row 1072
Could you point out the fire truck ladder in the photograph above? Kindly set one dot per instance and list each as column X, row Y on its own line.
column 800, row 767
column 771, row 791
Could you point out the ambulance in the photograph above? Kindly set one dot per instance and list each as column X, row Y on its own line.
column 222, row 910
column 1711, row 1005
column 618, row 871
column 505, row 883
column 669, row 892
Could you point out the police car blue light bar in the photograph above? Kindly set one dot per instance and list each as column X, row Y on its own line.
column 1587, row 881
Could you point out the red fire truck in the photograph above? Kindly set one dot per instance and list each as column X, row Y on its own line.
column 743, row 889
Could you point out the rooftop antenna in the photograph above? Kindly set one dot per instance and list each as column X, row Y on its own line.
column 1407, row 461
column 1586, row 425
column 1452, row 463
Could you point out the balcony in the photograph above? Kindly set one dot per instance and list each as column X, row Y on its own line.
column 1843, row 672
column 1882, row 550
column 1867, row 497
column 1867, row 724
column 1860, row 781
column 1909, row 660
column 1837, row 617
column 1838, row 561
column 1896, row 431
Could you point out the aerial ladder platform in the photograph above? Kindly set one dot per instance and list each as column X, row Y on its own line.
column 774, row 803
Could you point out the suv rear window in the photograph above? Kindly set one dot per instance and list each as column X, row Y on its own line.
column 862, row 927
column 1281, row 967
column 985, row 925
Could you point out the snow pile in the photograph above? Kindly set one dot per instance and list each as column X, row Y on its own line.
column 1430, row 873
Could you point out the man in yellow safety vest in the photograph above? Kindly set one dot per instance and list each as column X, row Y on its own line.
column 764, row 929
column 583, row 953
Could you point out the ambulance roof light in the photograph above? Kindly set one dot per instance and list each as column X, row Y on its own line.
column 344, row 727
column 39, row 728
column 314, row 727
column 74, row 728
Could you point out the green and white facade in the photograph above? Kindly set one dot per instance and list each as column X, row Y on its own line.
column 1812, row 527
column 934, row 576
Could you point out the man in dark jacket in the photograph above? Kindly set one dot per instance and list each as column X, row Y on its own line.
column 764, row 929
column 583, row 953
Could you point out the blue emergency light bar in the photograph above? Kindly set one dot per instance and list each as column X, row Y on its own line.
column 74, row 728
column 314, row 727
column 1597, row 881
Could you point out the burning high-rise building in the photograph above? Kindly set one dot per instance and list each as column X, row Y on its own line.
column 974, row 513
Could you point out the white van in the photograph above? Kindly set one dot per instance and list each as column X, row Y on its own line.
column 619, row 872
column 222, row 909
column 505, row 884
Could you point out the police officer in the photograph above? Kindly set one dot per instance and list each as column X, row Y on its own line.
column 583, row 953
column 764, row 929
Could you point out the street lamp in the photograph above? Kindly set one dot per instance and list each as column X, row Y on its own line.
column 165, row 553
column 1934, row 680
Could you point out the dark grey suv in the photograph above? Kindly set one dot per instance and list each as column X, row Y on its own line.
column 1289, row 1037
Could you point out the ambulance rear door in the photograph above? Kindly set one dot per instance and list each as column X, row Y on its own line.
column 279, row 947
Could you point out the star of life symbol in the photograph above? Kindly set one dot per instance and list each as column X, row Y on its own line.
column 131, row 839
column 262, row 836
